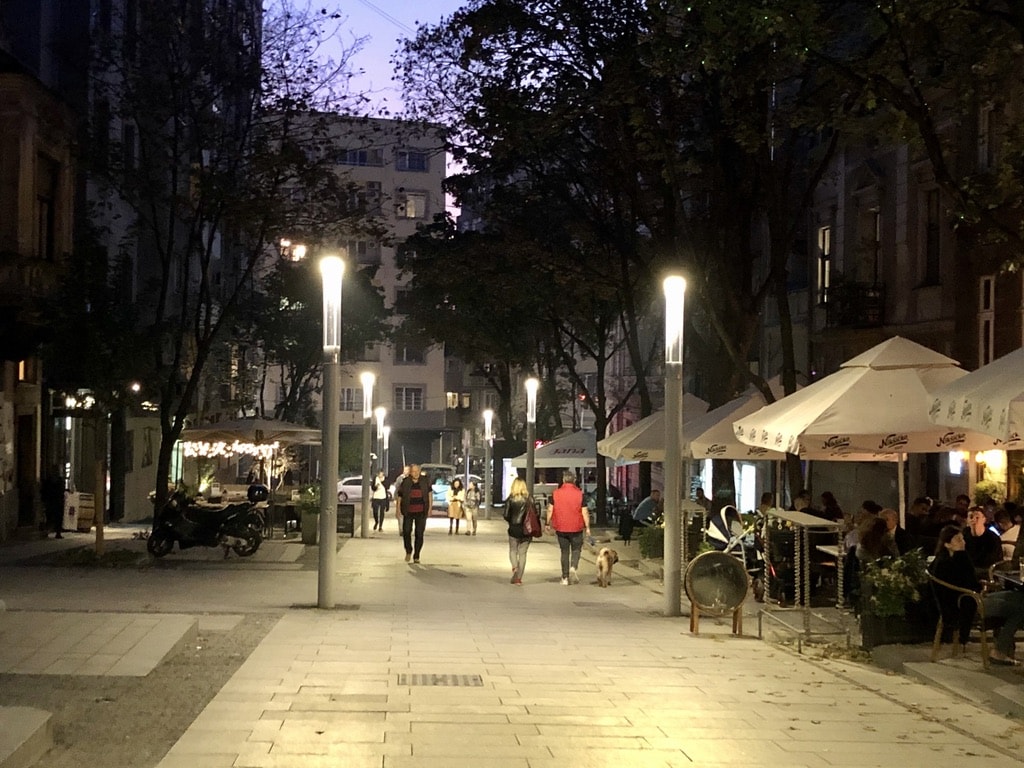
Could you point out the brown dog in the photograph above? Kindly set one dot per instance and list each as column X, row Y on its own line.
column 606, row 558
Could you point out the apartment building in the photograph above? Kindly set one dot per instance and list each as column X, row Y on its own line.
column 37, row 130
column 395, row 170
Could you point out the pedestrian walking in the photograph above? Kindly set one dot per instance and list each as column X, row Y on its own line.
column 569, row 518
column 456, row 499
column 472, row 507
column 379, row 500
column 516, row 506
column 414, row 497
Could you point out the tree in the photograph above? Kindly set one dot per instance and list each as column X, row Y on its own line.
column 680, row 134
column 219, row 155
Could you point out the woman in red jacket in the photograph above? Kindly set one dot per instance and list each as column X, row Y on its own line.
column 569, row 518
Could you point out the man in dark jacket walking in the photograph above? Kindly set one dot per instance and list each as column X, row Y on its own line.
column 414, row 501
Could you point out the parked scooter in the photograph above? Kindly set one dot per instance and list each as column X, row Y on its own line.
column 235, row 527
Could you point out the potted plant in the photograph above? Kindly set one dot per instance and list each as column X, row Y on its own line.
column 891, row 605
column 308, row 507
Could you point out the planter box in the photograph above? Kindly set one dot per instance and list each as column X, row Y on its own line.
column 916, row 626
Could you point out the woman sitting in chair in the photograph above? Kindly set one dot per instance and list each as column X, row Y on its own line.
column 952, row 565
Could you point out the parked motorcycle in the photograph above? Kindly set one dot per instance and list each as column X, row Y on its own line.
column 235, row 527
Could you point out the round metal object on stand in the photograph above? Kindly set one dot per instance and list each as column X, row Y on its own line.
column 716, row 583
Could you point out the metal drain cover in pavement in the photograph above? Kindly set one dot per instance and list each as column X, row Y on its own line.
column 465, row 681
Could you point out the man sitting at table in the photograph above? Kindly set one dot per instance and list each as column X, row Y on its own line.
column 982, row 545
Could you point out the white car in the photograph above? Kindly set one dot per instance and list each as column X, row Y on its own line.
column 350, row 488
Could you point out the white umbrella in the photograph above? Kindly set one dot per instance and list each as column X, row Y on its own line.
column 645, row 440
column 711, row 436
column 989, row 400
column 874, row 408
column 571, row 449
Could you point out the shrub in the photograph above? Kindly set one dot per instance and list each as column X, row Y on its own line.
column 651, row 541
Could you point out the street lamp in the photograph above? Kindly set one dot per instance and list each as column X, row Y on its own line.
column 675, row 295
column 488, row 439
column 332, row 269
column 384, row 451
column 367, row 379
column 531, row 430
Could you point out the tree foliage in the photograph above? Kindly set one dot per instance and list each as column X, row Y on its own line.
column 220, row 153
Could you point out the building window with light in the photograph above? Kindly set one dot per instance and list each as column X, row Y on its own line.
column 824, row 277
column 986, row 319
column 408, row 398
column 412, row 205
column 452, row 400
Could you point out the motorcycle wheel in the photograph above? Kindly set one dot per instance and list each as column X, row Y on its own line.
column 256, row 524
column 252, row 543
column 159, row 544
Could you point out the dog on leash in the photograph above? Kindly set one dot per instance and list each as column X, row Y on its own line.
column 606, row 558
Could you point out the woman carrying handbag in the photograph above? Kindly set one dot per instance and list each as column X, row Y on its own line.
column 517, row 508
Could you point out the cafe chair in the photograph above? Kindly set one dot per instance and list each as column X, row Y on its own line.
column 1003, row 566
column 959, row 609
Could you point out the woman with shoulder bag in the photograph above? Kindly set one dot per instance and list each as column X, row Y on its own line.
column 516, row 507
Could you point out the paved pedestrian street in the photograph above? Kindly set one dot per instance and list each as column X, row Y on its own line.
column 446, row 664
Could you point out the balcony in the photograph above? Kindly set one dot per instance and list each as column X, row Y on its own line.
column 855, row 305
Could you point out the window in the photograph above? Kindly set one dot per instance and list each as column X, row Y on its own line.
column 371, row 157
column 412, row 205
column 824, row 282
column 986, row 319
column 412, row 160
column 366, row 197
column 491, row 400
column 932, row 238
column 351, row 399
column 364, row 251
column 467, row 400
column 408, row 398
column 452, row 400
column 406, row 355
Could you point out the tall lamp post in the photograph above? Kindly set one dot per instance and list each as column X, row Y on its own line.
column 531, row 430
column 386, row 439
column 675, row 295
column 332, row 270
column 367, row 379
column 488, row 439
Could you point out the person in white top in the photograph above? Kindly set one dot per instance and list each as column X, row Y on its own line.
column 379, row 500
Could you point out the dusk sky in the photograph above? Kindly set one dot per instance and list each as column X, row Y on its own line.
column 383, row 21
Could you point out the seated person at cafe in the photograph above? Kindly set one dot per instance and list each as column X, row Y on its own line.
column 647, row 509
column 982, row 545
column 901, row 538
column 952, row 565
column 875, row 542
column 1008, row 532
